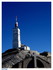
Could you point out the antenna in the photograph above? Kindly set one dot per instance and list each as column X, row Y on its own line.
column 16, row 18
column 16, row 24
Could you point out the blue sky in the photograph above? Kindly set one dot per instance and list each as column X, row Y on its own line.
column 34, row 20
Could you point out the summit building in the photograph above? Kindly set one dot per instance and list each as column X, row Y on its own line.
column 16, row 36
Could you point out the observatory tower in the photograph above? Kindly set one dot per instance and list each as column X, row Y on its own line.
column 16, row 36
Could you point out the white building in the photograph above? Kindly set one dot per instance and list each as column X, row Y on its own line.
column 16, row 36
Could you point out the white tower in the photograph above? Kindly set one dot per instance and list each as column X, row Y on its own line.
column 16, row 36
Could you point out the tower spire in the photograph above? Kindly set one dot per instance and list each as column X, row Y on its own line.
column 16, row 18
column 16, row 24
column 16, row 36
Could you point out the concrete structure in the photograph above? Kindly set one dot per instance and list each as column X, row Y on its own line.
column 16, row 36
column 15, row 58
column 24, row 47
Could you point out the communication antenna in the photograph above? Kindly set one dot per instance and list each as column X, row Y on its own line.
column 16, row 18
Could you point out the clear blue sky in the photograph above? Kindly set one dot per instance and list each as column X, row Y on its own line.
column 34, row 22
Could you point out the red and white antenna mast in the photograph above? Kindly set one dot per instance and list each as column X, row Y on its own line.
column 16, row 25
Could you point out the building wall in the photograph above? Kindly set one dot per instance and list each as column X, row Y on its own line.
column 16, row 38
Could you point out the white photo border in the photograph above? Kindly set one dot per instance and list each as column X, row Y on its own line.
column 1, row 33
